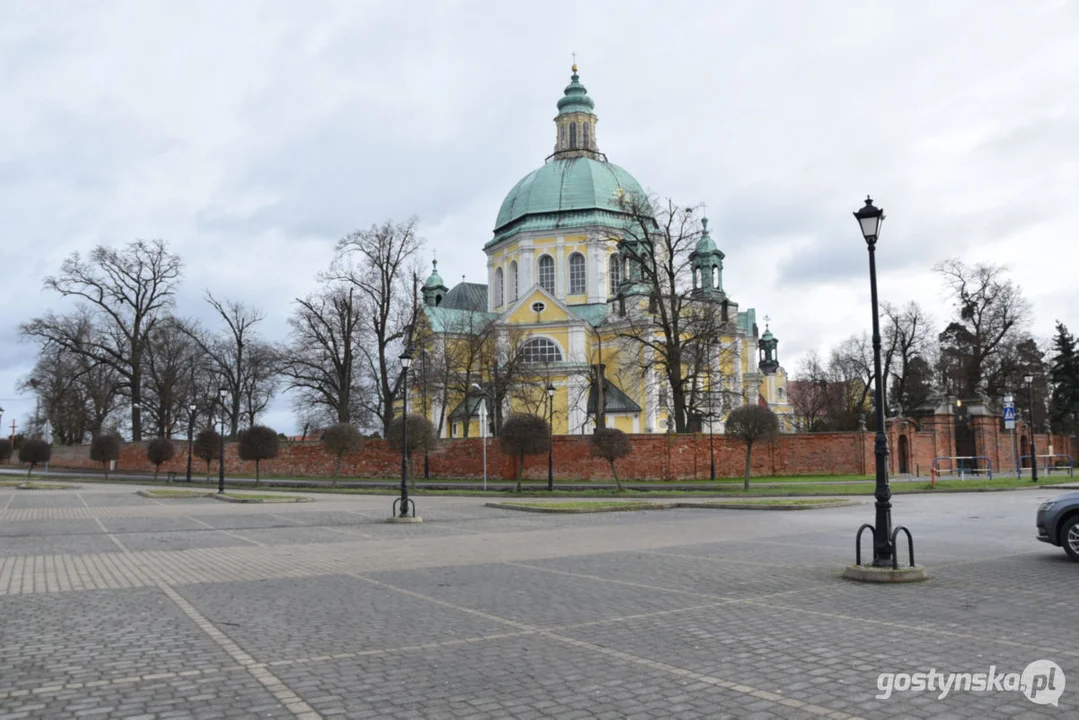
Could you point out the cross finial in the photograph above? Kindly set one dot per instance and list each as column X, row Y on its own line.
column 574, row 54
column 766, row 321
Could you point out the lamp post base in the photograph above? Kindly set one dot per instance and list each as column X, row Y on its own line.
column 406, row 519
column 869, row 573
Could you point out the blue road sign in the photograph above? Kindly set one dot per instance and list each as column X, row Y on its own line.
column 1009, row 413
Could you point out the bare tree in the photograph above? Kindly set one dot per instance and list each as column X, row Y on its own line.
column 990, row 314
column 319, row 362
column 125, row 293
column 173, row 368
column 240, row 361
column 752, row 424
column 676, row 332
column 908, row 333
column 258, row 443
column 611, row 444
column 340, row 439
column 524, row 435
column 378, row 263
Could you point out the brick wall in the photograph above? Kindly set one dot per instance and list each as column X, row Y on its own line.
column 663, row 457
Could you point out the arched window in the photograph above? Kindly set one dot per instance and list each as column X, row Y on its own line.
column 546, row 273
column 577, row 284
column 696, row 278
column 614, row 272
column 513, row 281
column 572, row 135
column 584, row 132
column 540, row 350
column 499, row 288
column 715, row 277
column 563, row 137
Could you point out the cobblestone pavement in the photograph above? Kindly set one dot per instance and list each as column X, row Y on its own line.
column 113, row 605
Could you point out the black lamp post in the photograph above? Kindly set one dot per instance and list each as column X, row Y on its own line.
column 869, row 220
column 406, row 360
column 221, row 395
column 190, row 437
column 550, row 439
column 1029, row 380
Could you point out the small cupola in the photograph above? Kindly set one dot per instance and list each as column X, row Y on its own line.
column 434, row 289
column 769, row 357
column 706, row 261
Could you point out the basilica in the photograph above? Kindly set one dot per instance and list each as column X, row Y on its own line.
column 547, row 333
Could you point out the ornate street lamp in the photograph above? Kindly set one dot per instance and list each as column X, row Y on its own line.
column 190, row 436
column 483, row 428
column 403, row 511
column 869, row 221
column 423, row 361
column 222, row 394
column 550, row 439
column 1029, row 380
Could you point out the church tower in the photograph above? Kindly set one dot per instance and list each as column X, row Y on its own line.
column 434, row 289
column 706, row 261
column 769, row 360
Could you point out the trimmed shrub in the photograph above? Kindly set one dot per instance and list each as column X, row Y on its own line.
column 258, row 443
column 523, row 435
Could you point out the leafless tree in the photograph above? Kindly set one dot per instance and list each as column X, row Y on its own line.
column 125, row 292
column 238, row 360
column 908, row 334
column 421, row 436
column 611, row 444
column 75, row 392
column 174, row 367
column 990, row 315
column 676, row 332
column 752, row 424
column 319, row 363
column 378, row 264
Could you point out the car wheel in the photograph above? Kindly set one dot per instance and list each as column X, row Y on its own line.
column 1069, row 537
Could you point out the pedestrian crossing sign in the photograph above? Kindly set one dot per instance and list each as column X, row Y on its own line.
column 1009, row 417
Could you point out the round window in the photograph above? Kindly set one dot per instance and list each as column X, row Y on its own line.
column 538, row 307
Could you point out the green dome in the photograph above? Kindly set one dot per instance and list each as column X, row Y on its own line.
column 566, row 193
column 706, row 246
column 575, row 97
column 435, row 280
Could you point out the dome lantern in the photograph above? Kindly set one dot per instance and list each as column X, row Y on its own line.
column 576, row 122
column 434, row 289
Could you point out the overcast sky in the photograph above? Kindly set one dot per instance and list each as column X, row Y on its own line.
column 252, row 135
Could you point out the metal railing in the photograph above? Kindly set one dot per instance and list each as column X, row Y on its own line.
column 1047, row 467
column 963, row 465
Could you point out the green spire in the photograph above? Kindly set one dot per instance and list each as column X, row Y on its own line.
column 576, row 97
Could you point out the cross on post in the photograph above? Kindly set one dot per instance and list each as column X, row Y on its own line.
column 574, row 54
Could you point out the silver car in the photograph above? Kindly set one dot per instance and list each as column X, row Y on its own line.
column 1058, row 523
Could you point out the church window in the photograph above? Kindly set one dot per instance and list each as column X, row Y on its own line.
column 541, row 350
column 696, row 278
column 546, row 273
column 614, row 270
column 577, row 284
column 513, row 281
column 584, row 131
column 715, row 277
column 499, row 288
column 563, row 144
column 573, row 135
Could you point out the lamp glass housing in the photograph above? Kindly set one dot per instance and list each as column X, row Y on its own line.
column 1028, row 379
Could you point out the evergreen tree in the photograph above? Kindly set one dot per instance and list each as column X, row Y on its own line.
column 1064, row 380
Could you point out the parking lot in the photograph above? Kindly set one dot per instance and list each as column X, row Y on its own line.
column 116, row 605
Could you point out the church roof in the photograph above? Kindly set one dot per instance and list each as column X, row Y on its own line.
column 567, row 192
column 594, row 313
column 706, row 246
column 614, row 400
column 466, row 296
column 435, row 280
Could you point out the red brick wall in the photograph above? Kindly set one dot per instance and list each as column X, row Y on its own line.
column 654, row 457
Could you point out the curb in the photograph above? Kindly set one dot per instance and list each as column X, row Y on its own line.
column 237, row 499
column 193, row 496
column 45, row 486
column 630, row 506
